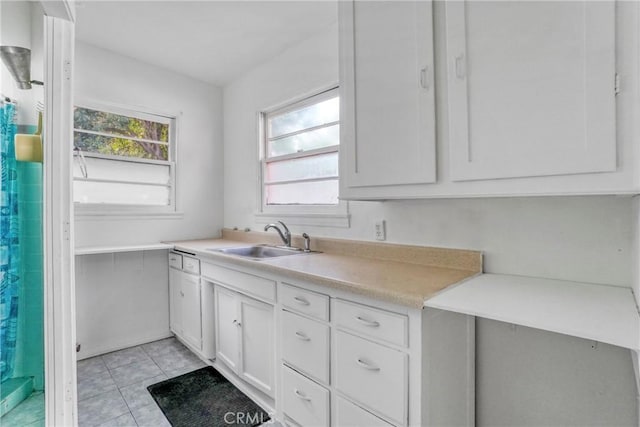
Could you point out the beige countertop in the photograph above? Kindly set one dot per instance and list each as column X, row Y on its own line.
column 376, row 272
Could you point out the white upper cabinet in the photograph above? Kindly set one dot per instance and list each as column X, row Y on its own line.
column 531, row 88
column 532, row 98
column 387, row 95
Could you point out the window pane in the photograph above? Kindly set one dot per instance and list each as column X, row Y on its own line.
column 303, row 193
column 299, row 143
column 120, row 146
column 313, row 115
column 122, row 170
column 102, row 121
column 320, row 166
column 124, row 194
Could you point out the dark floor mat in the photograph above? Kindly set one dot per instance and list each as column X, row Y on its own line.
column 205, row 398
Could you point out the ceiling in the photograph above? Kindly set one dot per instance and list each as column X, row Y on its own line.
column 212, row 41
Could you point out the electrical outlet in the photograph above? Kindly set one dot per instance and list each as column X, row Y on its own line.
column 381, row 233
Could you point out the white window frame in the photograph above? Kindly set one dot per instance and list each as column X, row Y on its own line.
column 126, row 211
column 312, row 215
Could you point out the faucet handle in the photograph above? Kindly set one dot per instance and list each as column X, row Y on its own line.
column 286, row 229
column 307, row 242
column 287, row 233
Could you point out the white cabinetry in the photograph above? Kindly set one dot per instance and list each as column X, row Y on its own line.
column 305, row 352
column 534, row 98
column 175, row 300
column 245, row 337
column 365, row 369
column 348, row 414
column 387, row 95
column 305, row 402
column 190, row 305
column 191, row 310
column 256, row 344
column 227, row 336
column 531, row 88
column 352, row 361
column 305, row 345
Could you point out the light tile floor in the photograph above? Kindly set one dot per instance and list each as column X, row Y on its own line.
column 112, row 388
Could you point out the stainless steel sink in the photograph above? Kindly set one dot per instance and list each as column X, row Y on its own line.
column 259, row 251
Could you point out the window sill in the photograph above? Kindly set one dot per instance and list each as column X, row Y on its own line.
column 310, row 219
column 89, row 214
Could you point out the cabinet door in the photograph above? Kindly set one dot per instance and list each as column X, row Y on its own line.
column 175, row 301
column 227, row 333
column 191, row 310
column 531, row 88
column 258, row 345
column 387, row 94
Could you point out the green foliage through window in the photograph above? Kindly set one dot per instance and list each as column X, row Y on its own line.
column 114, row 134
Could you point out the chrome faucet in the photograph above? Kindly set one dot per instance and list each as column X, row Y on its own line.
column 285, row 236
column 307, row 242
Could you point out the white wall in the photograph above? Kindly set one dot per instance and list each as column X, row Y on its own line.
column 301, row 69
column 573, row 238
column 122, row 298
column 104, row 76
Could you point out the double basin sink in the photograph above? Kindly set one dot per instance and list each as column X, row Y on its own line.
column 258, row 252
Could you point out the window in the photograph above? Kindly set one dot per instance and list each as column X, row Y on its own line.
column 123, row 158
column 300, row 159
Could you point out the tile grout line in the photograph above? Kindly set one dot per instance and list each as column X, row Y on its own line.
column 109, row 370
column 167, row 350
column 125, row 400
column 128, row 407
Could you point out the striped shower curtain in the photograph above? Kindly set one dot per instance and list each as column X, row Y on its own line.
column 9, row 249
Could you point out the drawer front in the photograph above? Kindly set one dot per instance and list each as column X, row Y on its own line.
column 191, row 265
column 348, row 414
column 246, row 283
column 175, row 260
column 375, row 323
column 373, row 375
column 305, row 345
column 306, row 302
column 305, row 402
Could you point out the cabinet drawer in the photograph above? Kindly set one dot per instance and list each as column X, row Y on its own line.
column 306, row 302
column 305, row 345
column 348, row 414
column 372, row 322
column 191, row 265
column 373, row 375
column 244, row 282
column 305, row 402
column 175, row 260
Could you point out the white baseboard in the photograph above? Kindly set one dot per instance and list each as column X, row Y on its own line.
column 87, row 351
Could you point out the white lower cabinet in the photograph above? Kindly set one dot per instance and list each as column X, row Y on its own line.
column 304, row 401
column 190, row 305
column 227, row 336
column 349, row 414
column 305, row 345
column 370, row 360
column 175, row 300
column 372, row 375
column 191, row 310
column 245, row 337
column 343, row 360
